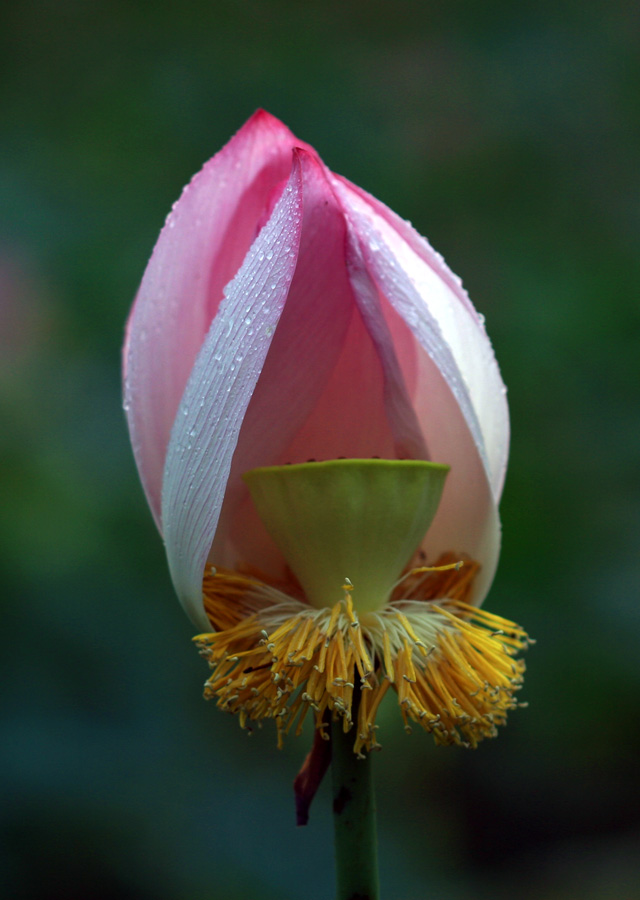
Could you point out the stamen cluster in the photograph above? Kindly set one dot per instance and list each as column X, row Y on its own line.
column 273, row 656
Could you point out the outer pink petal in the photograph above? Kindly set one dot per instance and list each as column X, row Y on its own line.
column 445, row 300
column 199, row 250
column 467, row 520
column 214, row 404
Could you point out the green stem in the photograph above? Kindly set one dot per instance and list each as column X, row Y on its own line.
column 354, row 818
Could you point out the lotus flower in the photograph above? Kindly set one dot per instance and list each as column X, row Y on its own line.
column 286, row 316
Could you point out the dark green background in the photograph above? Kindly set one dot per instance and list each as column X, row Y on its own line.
column 508, row 133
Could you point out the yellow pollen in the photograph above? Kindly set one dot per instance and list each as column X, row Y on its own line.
column 274, row 656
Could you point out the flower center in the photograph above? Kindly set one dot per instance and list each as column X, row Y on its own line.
column 353, row 521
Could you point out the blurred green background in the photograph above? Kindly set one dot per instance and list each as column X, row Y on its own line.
column 508, row 133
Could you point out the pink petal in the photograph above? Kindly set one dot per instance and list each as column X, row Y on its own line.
column 439, row 295
column 200, row 248
column 408, row 439
column 467, row 520
column 220, row 386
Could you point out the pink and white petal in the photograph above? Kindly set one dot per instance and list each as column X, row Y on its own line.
column 200, row 248
column 422, row 313
column 210, row 415
column 467, row 520
column 308, row 347
column 439, row 294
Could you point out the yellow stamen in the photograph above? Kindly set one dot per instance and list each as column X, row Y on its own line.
column 274, row 656
column 386, row 650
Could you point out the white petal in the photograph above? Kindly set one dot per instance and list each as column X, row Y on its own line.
column 210, row 415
